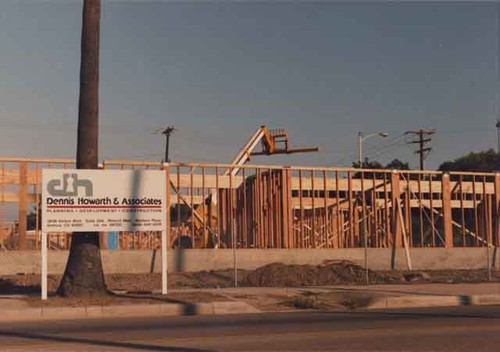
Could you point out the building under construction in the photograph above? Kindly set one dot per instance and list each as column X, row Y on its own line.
column 252, row 206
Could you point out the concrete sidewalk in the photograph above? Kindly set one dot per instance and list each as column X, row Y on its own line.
column 387, row 289
column 253, row 300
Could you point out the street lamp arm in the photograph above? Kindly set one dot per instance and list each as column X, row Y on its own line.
column 361, row 139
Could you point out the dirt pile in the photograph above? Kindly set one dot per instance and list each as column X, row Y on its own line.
column 327, row 273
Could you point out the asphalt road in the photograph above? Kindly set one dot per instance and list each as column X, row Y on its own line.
column 458, row 329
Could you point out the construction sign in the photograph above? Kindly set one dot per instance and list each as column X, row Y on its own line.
column 103, row 200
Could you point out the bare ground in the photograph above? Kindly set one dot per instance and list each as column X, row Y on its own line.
column 140, row 288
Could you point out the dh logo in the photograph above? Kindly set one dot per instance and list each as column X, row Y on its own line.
column 69, row 187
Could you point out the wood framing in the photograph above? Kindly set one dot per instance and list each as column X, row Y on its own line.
column 273, row 206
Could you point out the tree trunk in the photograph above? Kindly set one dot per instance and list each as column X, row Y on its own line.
column 84, row 275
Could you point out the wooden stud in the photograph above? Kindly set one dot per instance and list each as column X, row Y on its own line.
column 244, row 210
column 362, row 224
column 431, row 202
column 178, row 206
column 203, row 213
column 497, row 210
column 232, row 234
column 301, row 220
column 474, row 199
column 462, row 212
column 395, row 200
column 421, row 211
column 325, row 209
column 22, row 205
column 340, row 232
column 350, row 242
column 447, row 216
column 191, row 194
column 313, row 219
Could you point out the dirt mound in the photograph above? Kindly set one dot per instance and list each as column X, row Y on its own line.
column 327, row 273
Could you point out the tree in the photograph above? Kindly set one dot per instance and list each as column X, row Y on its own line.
column 84, row 274
column 484, row 161
column 397, row 164
column 368, row 164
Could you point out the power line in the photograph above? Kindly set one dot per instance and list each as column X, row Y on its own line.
column 383, row 146
column 388, row 149
column 395, row 142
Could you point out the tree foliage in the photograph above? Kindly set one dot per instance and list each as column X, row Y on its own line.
column 395, row 164
column 484, row 161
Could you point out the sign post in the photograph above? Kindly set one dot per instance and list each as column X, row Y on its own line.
column 102, row 200
column 44, row 265
column 164, row 263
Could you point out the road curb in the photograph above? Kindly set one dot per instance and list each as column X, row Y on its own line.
column 128, row 311
column 420, row 301
column 223, row 308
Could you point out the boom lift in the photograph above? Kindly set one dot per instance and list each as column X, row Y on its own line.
column 272, row 142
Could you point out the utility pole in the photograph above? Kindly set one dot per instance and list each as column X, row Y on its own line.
column 423, row 138
column 498, row 135
column 167, row 132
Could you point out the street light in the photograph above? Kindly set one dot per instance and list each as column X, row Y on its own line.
column 361, row 139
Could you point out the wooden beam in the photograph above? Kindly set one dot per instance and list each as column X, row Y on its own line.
column 39, row 161
column 196, row 181
column 497, row 210
column 11, row 197
column 446, row 208
column 395, row 198
column 23, row 204
column 414, row 186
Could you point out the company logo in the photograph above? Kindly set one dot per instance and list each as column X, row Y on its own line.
column 69, row 186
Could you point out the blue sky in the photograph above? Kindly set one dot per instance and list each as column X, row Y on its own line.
column 217, row 70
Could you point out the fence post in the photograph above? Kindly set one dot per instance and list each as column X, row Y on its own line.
column 447, row 218
column 496, row 235
column 23, row 204
column 496, row 216
column 395, row 200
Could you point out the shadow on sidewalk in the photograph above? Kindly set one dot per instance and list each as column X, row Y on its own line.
column 376, row 290
column 188, row 308
column 9, row 287
column 420, row 314
column 93, row 342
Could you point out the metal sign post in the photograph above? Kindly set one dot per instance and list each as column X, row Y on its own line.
column 164, row 262
column 44, row 266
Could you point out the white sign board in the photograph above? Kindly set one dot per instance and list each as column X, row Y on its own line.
column 103, row 200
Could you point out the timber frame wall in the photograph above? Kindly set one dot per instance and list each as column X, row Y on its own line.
column 263, row 206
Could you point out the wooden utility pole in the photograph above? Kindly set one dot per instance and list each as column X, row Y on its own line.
column 167, row 132
column 423, row 138
column 497, row 125
column 84, row 274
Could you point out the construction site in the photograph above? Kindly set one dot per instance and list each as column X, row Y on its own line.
column 237, row 205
